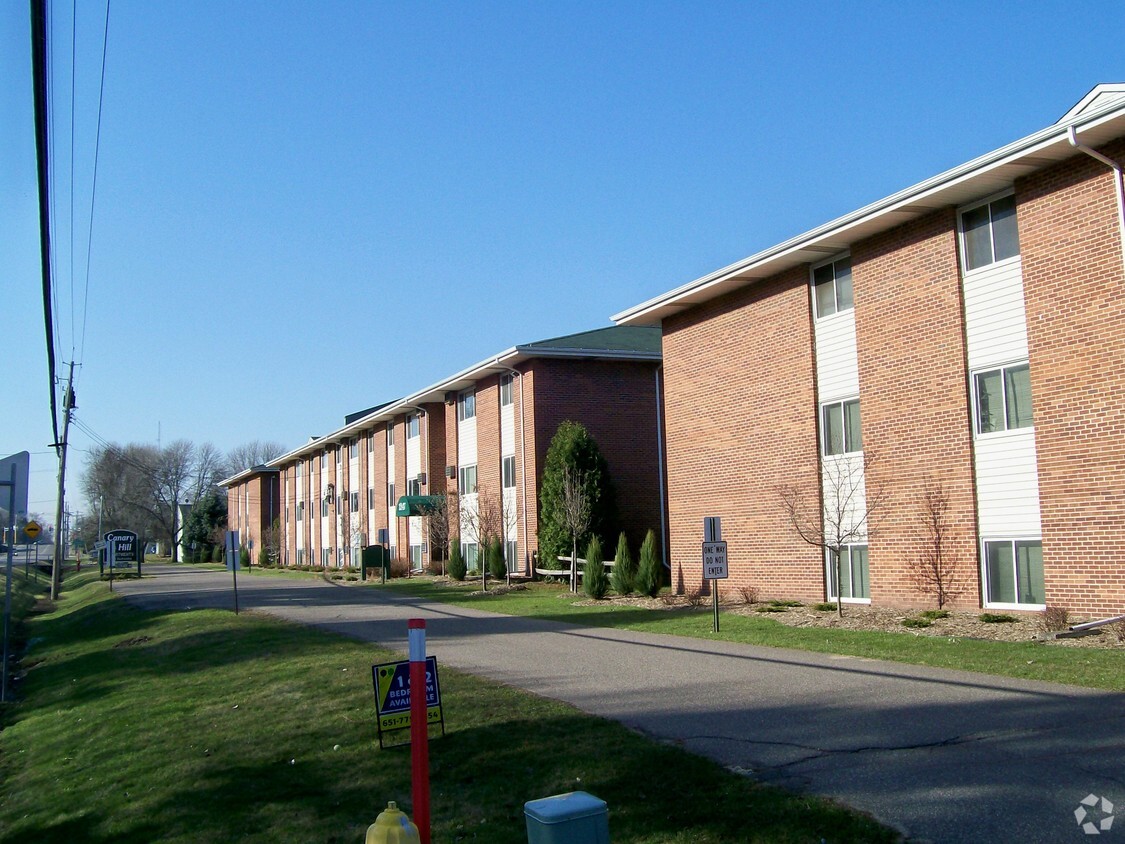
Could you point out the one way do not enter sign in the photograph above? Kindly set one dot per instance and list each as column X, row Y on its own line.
column 714, row 550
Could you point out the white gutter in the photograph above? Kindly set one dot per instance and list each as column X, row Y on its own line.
column 1118, row 179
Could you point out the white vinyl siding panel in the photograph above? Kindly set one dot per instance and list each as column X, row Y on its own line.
column 413, row 457
column 995, row 321
column 837, row 367
column 508, row 429
column 392, row 520
column 844, row 488
column 467, row 441
column 1005, row 462
column 1008, row 484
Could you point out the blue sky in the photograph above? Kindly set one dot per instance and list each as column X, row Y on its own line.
column 304, row 209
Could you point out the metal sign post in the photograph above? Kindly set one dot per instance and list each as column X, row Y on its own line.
column 232, row 550
column 714, row 560
column 16, row 482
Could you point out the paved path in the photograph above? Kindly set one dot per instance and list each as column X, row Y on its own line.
column 945, row 756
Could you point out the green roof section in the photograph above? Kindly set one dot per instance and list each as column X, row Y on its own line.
column 644, row 339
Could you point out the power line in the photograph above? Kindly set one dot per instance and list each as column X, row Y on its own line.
column 39, row 84
column 94, row 184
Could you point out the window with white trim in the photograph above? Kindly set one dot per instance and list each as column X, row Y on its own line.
column 470, row 551
column 300, row 511
column 324, row 460
column 370, row 441
column 353, row 449
column 466, row 405
column 416, row 556
column 371, row 498
column 412, row 426
column 354, row 501
column 298, row 468
column 414, row 485
column 391, row 434
column 326, row 557
column 506, row 382
column 508, row 471
column 1013, row 570
column 511, row 554
column 300, row 556
column 989, row 233
column 832, row 287
column 390, row 495
column 324, row 508
column 1003, row 398
column 467, row 479
column 840, row 428
column 855, row 578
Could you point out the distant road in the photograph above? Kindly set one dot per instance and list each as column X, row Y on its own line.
column 944, row 756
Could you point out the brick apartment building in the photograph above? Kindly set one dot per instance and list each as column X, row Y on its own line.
column 481, row 434
column 965, row 338
column 253, row 504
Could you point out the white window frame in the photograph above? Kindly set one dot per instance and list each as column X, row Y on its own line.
column 1002, row 369
column 830, row 570
column 371, row 498
column 985, row 581
column 961, row 244
column 463, row 485
column 413, row 426
column 354, row 503
column 507, row 389
column 391, row 434
column 508, row 472
column 391, row 494
column 353, row 448
column 324, row 460
column 324, row 508
column 836, row 307
column 842, row 405
column 466, row 405
column 414, row 486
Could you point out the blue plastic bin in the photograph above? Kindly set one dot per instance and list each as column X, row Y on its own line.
column 573, row 818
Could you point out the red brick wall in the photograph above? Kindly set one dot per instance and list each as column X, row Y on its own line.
column 740, row 411
column 1074, row 291
column 914, row 408
column 616, row 402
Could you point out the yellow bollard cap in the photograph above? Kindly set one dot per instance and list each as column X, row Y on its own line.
column 392, row 827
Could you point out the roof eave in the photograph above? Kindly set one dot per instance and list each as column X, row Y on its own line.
column 1030, row 153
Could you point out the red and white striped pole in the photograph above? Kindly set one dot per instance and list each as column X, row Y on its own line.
column 419, row 730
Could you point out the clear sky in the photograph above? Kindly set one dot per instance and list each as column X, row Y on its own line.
column 303, row 209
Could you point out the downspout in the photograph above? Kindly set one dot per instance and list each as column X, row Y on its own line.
column 660, row 471
column 1118, row 182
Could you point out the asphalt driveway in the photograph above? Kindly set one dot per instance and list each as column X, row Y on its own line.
column 944, row 756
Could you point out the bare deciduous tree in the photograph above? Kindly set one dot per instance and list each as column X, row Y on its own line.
column 441, row 512
column 142, row 487
column 934, row 569
column 844, row 511
column 248, row 455
column 573, row 515
column 482, row 520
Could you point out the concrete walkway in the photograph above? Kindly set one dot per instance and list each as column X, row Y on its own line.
column 944, row 756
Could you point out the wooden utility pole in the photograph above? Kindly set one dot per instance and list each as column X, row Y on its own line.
column 56, row 563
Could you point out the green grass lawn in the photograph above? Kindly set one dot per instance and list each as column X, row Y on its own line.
column 1092, row 667
column 204, row 726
